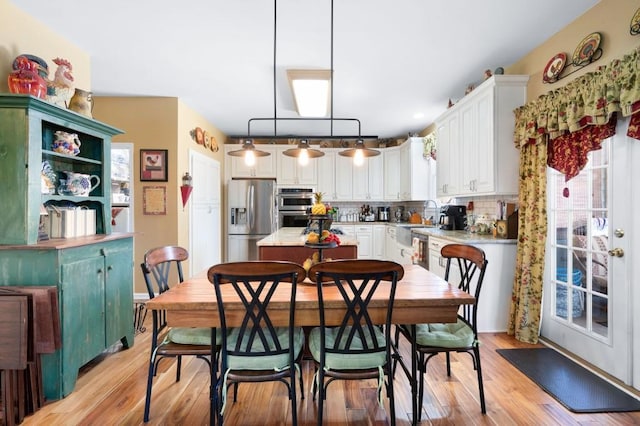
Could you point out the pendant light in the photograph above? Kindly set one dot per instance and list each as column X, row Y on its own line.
column 303, row 152
column 249, row 152
column 359, row 153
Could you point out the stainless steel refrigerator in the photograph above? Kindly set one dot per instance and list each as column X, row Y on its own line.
column 252, row 215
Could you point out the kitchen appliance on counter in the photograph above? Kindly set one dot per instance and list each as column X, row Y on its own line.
column 252, row 216
column 383, row 214
column 453, row 218
column 400, row 214
column 294, row 206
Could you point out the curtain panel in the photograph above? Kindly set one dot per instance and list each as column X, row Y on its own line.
column 559, row 129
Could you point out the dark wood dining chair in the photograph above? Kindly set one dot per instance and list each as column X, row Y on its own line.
column 466, row 266
column 161, row 267
column 357, row 344
column 257, row 350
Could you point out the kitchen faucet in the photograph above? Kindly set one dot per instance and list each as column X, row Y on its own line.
column 425, row 213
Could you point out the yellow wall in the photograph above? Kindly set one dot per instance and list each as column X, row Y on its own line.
column 20, row 34
column 610, row 18
column 158, row 123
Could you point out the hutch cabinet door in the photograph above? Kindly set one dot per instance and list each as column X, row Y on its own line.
column 119, row 296
column 82, row 308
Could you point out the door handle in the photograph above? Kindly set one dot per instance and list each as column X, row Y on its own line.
column 617, row 252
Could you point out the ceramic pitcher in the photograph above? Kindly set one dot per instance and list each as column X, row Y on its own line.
column 79, row 184
column 66, row 143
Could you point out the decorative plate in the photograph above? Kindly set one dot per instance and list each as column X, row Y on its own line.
column 634, row 27
column 214, row 144
column 586, row 49
column 199, row 136
column 554, row 68
column 207, row 139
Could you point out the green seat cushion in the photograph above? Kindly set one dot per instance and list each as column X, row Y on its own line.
column 191, row 336
column 453, row 335
column 355, row 361
column 270, row 362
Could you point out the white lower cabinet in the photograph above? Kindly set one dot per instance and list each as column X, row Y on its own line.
column 378, row 242
column 364, row 235
column 495, row 298
column 371, row 239
column 437, row 264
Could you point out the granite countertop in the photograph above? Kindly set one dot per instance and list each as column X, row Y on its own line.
column 463, row 237
column 294, row 237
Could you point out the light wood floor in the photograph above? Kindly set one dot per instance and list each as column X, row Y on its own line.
column 111, row 391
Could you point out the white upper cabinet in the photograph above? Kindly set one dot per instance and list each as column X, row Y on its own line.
column 417, row 173
column 476, row 154
column 290, row 172
column 392, row 174
column 326, row 169
column 353, row 183
column 368, row 179
column 408, row 175
column 344, row 178
column 265, row 167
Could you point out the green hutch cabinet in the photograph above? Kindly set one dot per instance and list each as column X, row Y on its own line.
column 94, row 273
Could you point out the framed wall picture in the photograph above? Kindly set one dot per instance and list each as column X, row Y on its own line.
column 154, row 200
column 153, row 165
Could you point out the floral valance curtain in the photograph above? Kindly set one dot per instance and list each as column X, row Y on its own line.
column 590, row 100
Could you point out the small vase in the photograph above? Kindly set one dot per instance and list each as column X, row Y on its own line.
column 82, row 102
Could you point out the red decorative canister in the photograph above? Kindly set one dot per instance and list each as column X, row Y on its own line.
column 25, row 78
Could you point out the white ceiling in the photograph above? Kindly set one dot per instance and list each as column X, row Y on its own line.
column 391, row 60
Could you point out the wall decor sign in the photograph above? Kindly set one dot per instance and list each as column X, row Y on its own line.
column 153, row 165
column 154, row 200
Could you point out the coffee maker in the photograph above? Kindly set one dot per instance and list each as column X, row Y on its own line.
column 453, row 218
column 383, row 214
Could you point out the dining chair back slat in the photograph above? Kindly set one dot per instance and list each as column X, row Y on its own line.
column 359, row 346
column 257, row 351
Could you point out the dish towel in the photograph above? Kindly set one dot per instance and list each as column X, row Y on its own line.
column 415, row 245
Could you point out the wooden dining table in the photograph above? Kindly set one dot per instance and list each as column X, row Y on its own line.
column 421, row 297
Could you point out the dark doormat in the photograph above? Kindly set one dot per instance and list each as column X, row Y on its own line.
column 575, row 387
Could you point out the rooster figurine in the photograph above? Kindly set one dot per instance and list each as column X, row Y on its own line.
column 60, row 89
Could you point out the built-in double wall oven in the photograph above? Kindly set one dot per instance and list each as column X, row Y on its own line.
column 294, row 206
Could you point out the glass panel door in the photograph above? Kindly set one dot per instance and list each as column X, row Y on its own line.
column 586, row 293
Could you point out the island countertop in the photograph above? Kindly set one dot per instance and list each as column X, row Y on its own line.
column 294, row 237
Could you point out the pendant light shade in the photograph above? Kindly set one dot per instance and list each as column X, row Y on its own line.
column 249, row 152
column 303, row 152
column 359, row 152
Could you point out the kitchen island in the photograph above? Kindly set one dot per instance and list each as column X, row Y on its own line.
column 289, row 244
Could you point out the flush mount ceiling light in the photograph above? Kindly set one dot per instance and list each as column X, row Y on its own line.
column 303, row 152
column 359, row 153
column 249, row 152
column 311, row 91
